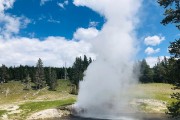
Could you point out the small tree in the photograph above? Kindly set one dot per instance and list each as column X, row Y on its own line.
column 40, row 76
column 52, row 79
column 27, row 82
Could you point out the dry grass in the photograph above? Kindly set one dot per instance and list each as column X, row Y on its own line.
column 16, row 92
column 159, row 91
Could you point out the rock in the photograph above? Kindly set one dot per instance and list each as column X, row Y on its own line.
column 4, row 117
column 49, row 113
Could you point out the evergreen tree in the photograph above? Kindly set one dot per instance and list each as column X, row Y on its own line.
column 90, row 60
column 174, row 50
column 85, row 63
column 146, row 74
column 11, row 71
column 172, row 12
column 4, row 76
column 77, row 73
column 172, row 15
column 166, row 70
column 52, row 79
column 158, row 72
column 39, row 76
column 27, row 82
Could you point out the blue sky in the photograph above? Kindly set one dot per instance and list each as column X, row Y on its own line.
column 23, row 21
column 50, row 19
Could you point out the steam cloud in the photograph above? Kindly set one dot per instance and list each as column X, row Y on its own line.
column 104, row 90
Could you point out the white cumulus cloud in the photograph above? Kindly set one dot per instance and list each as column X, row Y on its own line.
column 85, row 34
column 54, row 51
column 10, row 24
column 153, row 40
column 6, row 4
column 150, row 50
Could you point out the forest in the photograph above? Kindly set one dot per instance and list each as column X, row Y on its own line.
column 44, row 76
column 163, row 72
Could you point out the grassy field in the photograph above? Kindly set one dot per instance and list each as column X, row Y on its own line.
column 30, row 101
column 36, row 100
column 32, row 107
column 16, row 92
column 157, row 91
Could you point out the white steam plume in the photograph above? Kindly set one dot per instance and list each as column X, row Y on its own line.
column 105, row 87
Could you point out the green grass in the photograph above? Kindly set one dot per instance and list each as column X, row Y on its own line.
column 32, row 107
column 16, row 92
column 159, row 91
column 35, row 100
column 36, row 106
column 2, row 112
column 64, row 85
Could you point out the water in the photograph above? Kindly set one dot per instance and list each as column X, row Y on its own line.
column 139, row 116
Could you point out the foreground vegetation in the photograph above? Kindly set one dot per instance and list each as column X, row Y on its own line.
column 31, row 101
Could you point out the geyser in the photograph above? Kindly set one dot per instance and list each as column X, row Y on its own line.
column 104, row 91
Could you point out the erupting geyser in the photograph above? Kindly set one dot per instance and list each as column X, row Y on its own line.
column 104, row 91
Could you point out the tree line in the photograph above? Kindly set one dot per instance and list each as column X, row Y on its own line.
column 164, row 71
column 44, row 76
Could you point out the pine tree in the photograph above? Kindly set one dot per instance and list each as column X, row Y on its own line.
column 146, row 74
column 85, row 63
column 77, row 72
column 172, row 12
column 52, row 79
column 159, row 72
column 27, row 82
column 174, row 49
column 90, row 60
column 4, row 76
column 172, row 15
column 40, row 76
